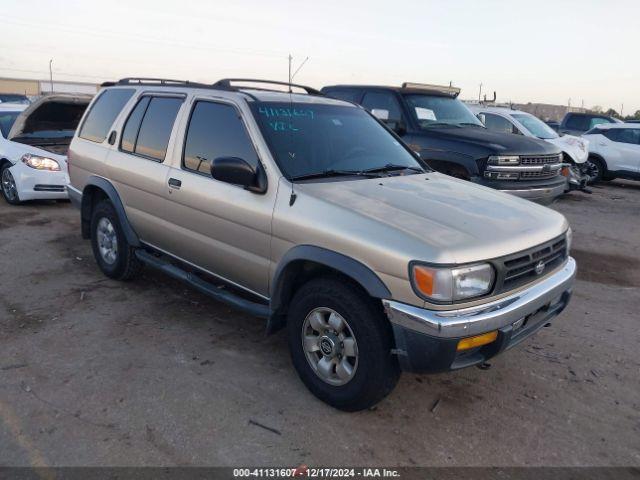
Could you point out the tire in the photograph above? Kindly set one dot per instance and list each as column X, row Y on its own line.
column 8, row 185
column 113, row 254
column 374, row 371
column 596, row 169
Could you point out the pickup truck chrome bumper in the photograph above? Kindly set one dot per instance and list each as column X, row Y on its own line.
column 470, row 321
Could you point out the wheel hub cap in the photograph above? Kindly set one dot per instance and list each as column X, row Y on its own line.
column 107, row 241
column 330, row 346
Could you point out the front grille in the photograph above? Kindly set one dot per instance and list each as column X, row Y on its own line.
column 520, row 268
column 537, row 175
column 540, row 159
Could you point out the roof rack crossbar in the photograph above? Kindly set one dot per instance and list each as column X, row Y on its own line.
column 226, row 84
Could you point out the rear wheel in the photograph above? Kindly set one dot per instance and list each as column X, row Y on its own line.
column 341, row 344
column 9, row 188
column 115, row 257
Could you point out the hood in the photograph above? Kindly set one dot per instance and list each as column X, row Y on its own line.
column 576, row 147
column 432, row 217
column 495, row 142
column 51, row 116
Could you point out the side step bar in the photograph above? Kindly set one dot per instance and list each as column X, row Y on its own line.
column 222, row 295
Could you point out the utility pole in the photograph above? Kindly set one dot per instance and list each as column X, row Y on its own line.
column 621, row 110
column 51, row 75
column 480, row 92
column 290, row 59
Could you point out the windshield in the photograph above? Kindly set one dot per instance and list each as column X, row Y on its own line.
column 14, row 98
column 6, row 121
column 536, row 126
column 432, row 111
column 307, row 139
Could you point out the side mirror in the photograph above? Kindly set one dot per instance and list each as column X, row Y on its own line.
column 397, row 126
column 238, row 172
column 380, row 114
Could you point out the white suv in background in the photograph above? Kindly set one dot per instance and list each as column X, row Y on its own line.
column 614, row 150
column 575, row 149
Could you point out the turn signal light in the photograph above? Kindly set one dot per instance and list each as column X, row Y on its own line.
column 565, row 171
column 477, row 341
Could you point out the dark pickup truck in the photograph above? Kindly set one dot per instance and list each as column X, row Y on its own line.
column 576, row 123
column 437, row 125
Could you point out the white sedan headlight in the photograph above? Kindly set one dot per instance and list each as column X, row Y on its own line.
column 40, row 163
column 452, row 284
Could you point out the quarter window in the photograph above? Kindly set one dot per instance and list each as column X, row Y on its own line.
column 149, row 126
column 216, row 130
column 103, row 113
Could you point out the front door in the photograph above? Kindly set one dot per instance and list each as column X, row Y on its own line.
column 218, row 226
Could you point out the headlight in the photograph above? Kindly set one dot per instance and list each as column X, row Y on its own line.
column 451, row 284
column 504, row 160
column 569, row 240
column 40, row 163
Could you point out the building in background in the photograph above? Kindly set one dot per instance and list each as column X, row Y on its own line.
column 546, row 111
column 34, row 88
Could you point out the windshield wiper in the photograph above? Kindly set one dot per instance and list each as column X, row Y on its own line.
column 391, row 167
column 335, row 173
column 471, row 124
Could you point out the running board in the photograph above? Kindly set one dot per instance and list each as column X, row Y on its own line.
column 220, row 294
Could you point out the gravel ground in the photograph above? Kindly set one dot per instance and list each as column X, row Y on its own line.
column 96, row 372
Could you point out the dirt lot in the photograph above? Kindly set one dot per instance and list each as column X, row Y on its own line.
column 96, row 372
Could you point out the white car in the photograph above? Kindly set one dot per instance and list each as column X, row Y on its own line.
column 614, row 150
column 33, row 146
column 507, row 120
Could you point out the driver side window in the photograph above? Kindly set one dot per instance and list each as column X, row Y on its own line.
column 497, row 123
column 216, row 130
column 383, row 101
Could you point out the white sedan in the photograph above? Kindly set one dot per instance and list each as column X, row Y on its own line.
column 33, row 146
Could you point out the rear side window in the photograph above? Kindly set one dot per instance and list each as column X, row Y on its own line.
column 149, row 126
column 598, row 121
column 103, row 113
column 216, row 130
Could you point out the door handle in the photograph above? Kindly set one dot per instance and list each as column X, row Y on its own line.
column 175, row 183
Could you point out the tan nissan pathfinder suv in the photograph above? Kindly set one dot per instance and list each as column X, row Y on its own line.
column 311, row 213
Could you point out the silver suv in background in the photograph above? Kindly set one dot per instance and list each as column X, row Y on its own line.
column 314, row 215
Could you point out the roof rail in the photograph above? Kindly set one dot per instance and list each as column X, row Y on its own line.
column 226, row 84
column 158, row 81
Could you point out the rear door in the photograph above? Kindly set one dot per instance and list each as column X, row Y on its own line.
column 137, row 166
column 217, row 226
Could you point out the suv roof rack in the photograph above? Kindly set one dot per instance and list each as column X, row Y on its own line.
column 447, row 90
column 226, row 84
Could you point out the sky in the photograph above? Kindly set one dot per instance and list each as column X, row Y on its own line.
column 578, row 51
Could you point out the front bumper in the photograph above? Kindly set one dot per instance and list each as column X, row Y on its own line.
column 426, row 340
column 543, row 192
column 35, row 184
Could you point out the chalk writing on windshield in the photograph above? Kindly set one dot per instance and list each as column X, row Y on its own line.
column 281, row 118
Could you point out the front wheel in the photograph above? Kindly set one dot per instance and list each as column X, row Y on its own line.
column 340, row 344
column 9, row 188
column 595, row 170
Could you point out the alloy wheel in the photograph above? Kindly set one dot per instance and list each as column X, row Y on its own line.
column 107, row 241
column 9, row 185
column 330, row 346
